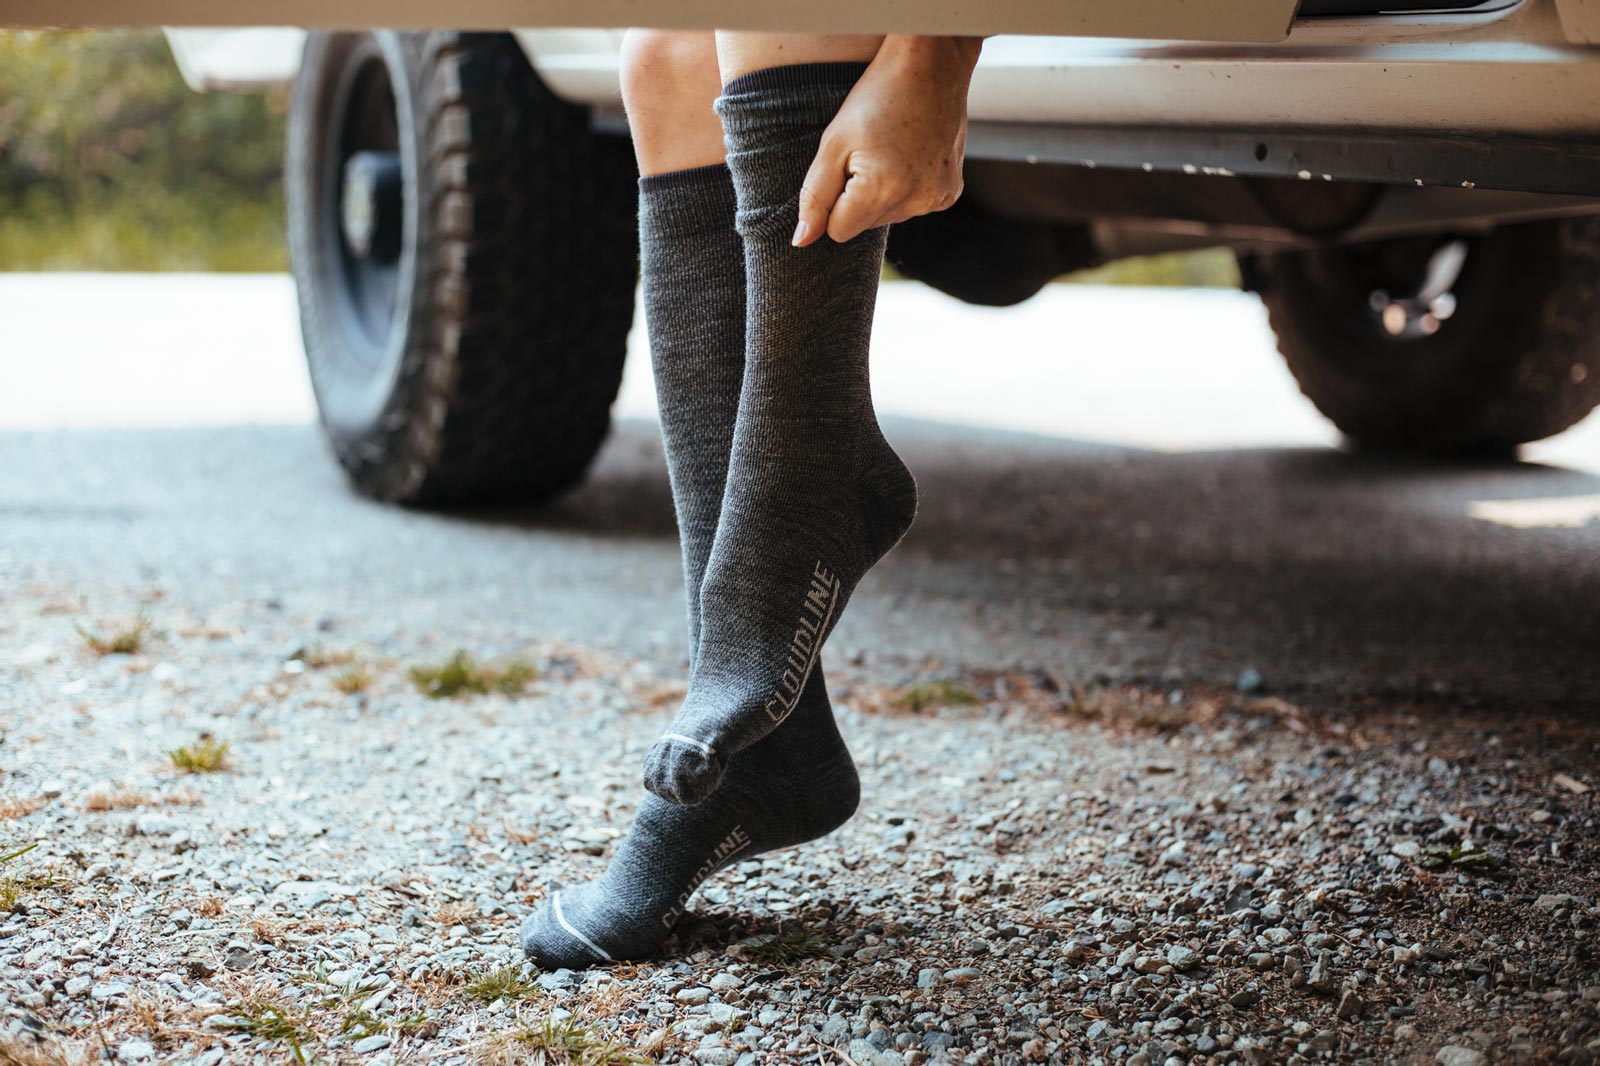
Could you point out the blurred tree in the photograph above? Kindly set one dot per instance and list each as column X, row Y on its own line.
column 100, row 135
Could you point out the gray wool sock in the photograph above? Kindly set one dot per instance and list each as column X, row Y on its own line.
column 772, row 797
column 815, row 496
column 692, row 264
column 694, row 294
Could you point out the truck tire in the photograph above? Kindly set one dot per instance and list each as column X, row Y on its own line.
column 465, row 258
column 1517, row 360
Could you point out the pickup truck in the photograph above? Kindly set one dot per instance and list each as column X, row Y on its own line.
column 1413, row 189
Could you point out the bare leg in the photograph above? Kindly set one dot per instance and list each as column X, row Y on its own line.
column 669, row 80
column 742, row 52
column 671, row 77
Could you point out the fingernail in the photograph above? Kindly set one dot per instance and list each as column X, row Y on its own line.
column 800, row 233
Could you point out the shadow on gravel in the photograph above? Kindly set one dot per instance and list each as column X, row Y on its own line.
column 1325, row 571
column 626, row 493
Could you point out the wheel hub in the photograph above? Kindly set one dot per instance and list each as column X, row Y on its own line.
column 370, row 205
column 1423, row 314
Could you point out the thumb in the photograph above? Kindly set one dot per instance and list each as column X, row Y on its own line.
column 824, row 182
column 857, row 210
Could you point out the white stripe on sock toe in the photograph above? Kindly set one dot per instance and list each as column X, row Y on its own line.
column 555, row 902
column 691, row 741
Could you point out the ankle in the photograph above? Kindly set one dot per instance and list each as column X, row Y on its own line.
column 889, row 494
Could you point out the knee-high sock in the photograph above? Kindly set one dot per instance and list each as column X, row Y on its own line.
column 692, row 265
column 814, row 494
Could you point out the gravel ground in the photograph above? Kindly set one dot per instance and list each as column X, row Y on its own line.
column 1040, row 872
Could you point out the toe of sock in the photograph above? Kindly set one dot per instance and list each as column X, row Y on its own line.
column 681, row 773
column 551, row 941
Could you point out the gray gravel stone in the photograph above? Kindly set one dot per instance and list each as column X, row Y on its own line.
column 556, row 980
column 1456, row 1055
column 1182, row 959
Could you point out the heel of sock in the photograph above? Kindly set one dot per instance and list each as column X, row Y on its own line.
column 827, row 796
column 889, row 492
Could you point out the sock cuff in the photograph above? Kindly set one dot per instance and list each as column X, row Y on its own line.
column 797, row 77
column 794, row 97
column 683, row 202
column 772, row 121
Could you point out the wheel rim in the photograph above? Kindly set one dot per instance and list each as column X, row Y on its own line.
column 364, row 218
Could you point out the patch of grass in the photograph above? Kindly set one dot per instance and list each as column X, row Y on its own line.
column 116, row 799
column 318, row 657
column 787, row 947
column 119, row 638
column 455, row 914
column 267, row 930
column 160, row 1017
column 1084, row 708
column 358, row 1023
column 568, row 1041
column 23, row 1051
column 335, row 995
column 1439, row 856
column 317, row 975
column 461, row 675
column 17, row 807
column 522, row 836
column 207, row 755
column 361, row 1023
column 941, row 693
column 166, row 235
column 507, row 983
column 1161, row 717
column 14, row 886
column 267, row 1020
column 353, row 680
column 614, row 997
column 1210, row 268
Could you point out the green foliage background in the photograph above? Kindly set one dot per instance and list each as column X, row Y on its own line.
column 108, row 161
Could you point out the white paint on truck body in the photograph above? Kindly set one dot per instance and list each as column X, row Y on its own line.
column 1511, row 69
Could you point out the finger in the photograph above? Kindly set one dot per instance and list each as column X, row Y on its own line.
column 863, row 205
column 825, row 180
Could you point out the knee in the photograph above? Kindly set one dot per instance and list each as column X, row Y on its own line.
column 668, row 69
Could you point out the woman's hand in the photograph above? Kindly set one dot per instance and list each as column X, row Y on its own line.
column 895, row 149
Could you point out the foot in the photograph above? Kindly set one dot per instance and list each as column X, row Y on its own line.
column 770, row 799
